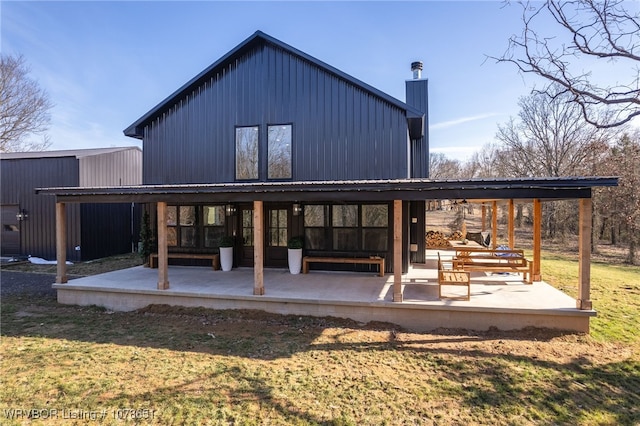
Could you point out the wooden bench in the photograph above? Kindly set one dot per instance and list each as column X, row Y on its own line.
column 374, row 260
column 450, row 276
column 487, row 260
column 215, row 258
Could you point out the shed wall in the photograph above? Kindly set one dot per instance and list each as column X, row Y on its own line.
column 112, row 169
column 340, row 132
column 19, row 179
column 93, row 230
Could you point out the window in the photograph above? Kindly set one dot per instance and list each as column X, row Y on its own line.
column 345, row 227
column 278, row 228
column 195, row 227
column 187, row 226
column 247, row 228
column 348, row 228
column 375, row 220
column 213, row 221
column 172, row 226
column 279, row 151
column 247, row 153
column 315, row 227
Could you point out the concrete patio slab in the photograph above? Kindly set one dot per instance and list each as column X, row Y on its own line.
column 503, row 301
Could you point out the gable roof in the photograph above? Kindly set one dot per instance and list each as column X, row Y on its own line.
column 135, row 129
column 77, row 153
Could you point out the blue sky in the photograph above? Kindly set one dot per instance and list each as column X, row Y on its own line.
column 105, row 64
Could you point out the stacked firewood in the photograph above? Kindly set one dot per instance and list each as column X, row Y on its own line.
column 436, row 239
column 456, row 235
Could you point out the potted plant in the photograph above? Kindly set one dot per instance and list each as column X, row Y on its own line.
column 226, row 252
column 294, row 246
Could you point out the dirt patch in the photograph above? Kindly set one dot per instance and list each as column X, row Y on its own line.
column 531, row 342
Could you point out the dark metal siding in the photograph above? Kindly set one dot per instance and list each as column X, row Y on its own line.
column 340, row 132
column 418, row 97
column 10, row 232
column 417, row 230
column 106, row 230
column 85, row 224
column 38, row 235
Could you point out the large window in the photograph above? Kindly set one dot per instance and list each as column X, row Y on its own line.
column 345, row 227
column 249, row 146
column 279, row 151
column 213, row 222
column 315, row 227
column 247, row 153
column 187, row 226
column 375, row 220
column 350, row 227
column 195, row 227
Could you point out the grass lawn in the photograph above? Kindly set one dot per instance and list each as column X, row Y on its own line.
column 196, row 366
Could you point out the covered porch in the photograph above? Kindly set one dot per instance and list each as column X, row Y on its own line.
column 407, row 297
column 499, row 300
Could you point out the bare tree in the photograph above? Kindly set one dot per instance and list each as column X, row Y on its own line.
column 441, row 167
column 24, row 108
column 589, row 34
column 485, row 163
column 549, row 139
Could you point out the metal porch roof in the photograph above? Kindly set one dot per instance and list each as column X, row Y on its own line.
column 341, row 191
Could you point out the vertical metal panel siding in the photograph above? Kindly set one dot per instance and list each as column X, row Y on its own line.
column 418, row 97
column 106, row 230
column 19, row 178
column 339, row 131
column 112, row 169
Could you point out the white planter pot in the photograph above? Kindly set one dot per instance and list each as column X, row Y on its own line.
column 295, row 260
column 226, row 258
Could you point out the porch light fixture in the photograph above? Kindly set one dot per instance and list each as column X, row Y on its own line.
column 22, row 215
column 230, row 209
column 297, row 209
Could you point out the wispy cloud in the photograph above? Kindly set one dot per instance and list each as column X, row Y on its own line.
column 452, row 123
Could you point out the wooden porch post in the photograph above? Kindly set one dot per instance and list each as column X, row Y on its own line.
column 512, row 233
column 163, row 251
column 397, row 250
column 484, row 218
column 61, row 243
column 584, row 261
column 258, row 249
column 494, row 225
column 537, row 239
